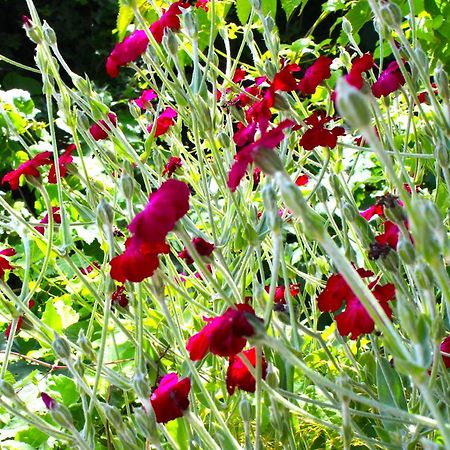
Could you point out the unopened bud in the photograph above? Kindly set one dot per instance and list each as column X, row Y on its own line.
column 7, row 390
column 224, row 139
column 442, row 155
column 61, row 347
column 272, row 378
column 82, row 120
column 113, row 415
column 406, row 251
column 140, row 386
column 353, row 105
column 245, row 410
column 135, row 111
column 422, row 58
column 423, row 276
column 268, row 160
column 85, row 345
column 146, row 422
column 191, row 24
column 322, row 194
column 49, row 34
column 442, row 83
column 105, row 213
column 335, row 184
column 347, row 26
column 269, row 69
column 170, row 42
column 204, row 112
column 391, row 15
column 33, row 32
column 126, row 185
column 349, row 212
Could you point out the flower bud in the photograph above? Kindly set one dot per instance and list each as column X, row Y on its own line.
column 83, row 85
column 322, row 194
column 423, row 276
column 245, row 409
column 272, row 378
column 99, row 110
column 441, row 80
column 146, row 422
column 61, row 415
column 105, row 213
column 171, row 43
column 140, row 386
column 135, row 111
column 224, row 139
column 335, row 184
column 126, row 185
column 391, row 15
column 7, row 390
column 406, row 251
column 61, row 347
column 269, row 69
column 85, row 345
column 113, row 415
column 347, row 26
column 352, row 105
column 422, row 58
column 191, row 24
column 441, row 153
column 204, row 112
column 33, row 32
column 49, row 34
column 349, row 212
column 82, row 120
column 268, row 160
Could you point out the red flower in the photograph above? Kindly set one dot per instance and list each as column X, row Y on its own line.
column 50, row 402
column 268, row 140
column 100, row 129
column 318, row 134
column 170, row 399
column 143, row 101
column 390, row 235
column 284, row 80
column 90, row 268
column 172, row 165
column 29, row 167
column 202, row 4
column 245, row 134
column 354, row 320
column 169, row 19
column 389, row 81
column 120, row 297
column 374, row 210
column 56, row 219
column 63, row 161
column 445, row 347
column 150, row 227
column 126, row 51
column 360, row 65
column 315, row 74
column 256, row 177
column 224, row 335
column 31, row 303
column 138, row 261
column 238, row 375
column 163, row 122
column 4, row 263
column 280, row 292
column 302, row 180
column 165, row 207
column 203, row 248
column 239, row 75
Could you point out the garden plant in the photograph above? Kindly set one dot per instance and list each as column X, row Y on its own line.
column 247, row 248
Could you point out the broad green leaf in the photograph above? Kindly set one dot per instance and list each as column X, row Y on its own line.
column 65, row 387
column 290, row 5
column 243, row 8
column 58, row 313
column 124, row 18
column 51, row 317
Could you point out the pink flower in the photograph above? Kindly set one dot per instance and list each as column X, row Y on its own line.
column 50, row 402
column 172, row 165
column 268, row 140
column 445, row 347
column 315, row 74
column 224, row 335
column 63, row 161
column 56, row 219
column 126, row 51
column 4, row 263
column 163, row 122
column 203, row 248
column 389, row 81
column 318, row 135
column 238, row 376
column 29, row 167
column 99, row 130
column 143, row 101
column 168, row 20
column 170, row 399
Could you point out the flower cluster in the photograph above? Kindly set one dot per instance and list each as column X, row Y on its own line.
column 149, row 229
column 354, row 320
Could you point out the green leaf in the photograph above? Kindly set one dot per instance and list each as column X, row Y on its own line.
column 390, row 388
column 59, row 314
column 290, row 5
column 124, row 18
column 51, row 317
column 65, row 387
column 243, row 8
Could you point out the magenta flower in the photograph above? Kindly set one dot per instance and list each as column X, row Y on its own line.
column 99, row 130
column 63, row 161
column 163, row 122
column 126, row 51
column 389, row 81
column 315, row 74
column 143, row 101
